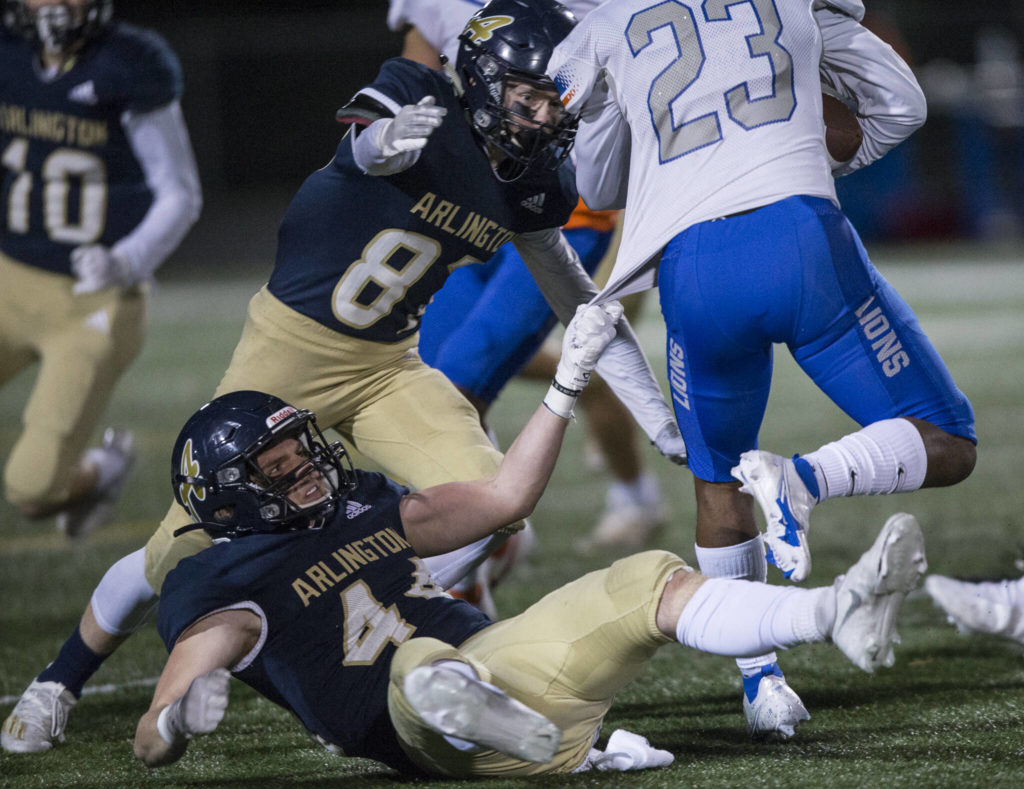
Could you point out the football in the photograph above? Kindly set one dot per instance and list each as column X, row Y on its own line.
column 842, row 132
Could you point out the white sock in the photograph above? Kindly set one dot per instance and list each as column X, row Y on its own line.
column 884, row 457
column 744, row 561
column 447, row 568
column 745, row 618
column 123, row 599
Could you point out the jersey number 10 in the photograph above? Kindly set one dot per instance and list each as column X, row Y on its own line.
column 61, row 170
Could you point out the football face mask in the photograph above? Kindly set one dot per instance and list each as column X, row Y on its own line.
column 57, row 28
column 512, row 105
column 248, row 462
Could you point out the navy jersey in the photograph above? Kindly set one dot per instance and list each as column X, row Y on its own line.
column 336, row 602
column 364, row 254
column 70, row 175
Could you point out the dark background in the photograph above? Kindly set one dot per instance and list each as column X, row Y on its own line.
column 263, row 80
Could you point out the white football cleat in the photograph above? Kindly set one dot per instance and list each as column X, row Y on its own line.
column 117, row 456
column 459, row 706
column 776, row 710
column 632, row 517
column 992, row 607
column 786, row 502
column 869, row 595
column 38, row 719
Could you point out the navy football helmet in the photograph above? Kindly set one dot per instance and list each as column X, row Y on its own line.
column 511, row 41
column 55, row 28
column 218, row 481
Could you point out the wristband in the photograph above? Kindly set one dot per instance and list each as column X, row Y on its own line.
column 559, row 400
column 166, row 729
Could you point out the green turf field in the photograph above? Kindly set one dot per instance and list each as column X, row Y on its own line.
column 949, row 713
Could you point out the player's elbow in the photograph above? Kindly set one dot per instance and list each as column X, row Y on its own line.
column 917, row 109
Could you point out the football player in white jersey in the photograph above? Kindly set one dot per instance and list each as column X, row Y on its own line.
column 704, row 121
column 471, row 335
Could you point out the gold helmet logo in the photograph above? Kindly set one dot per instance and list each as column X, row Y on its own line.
column 186, row 490
column 482, row 29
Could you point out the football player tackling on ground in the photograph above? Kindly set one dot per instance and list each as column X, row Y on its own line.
column 704, row 122
column 437, row 176
column 317, row 597
column 99, row 187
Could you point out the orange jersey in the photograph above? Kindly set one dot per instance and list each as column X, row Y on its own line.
column 582, row 216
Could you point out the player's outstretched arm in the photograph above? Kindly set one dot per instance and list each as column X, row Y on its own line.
column 192, row 693
column 390, row 145
column 446, row 517
column 556, row 269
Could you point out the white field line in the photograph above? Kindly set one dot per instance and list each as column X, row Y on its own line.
column 104, row 689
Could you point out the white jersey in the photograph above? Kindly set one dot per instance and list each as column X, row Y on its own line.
column 441, row 21
column 698, row 115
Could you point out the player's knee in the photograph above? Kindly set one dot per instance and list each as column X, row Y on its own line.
column 962, row 456
column 425, row 651
column 35, row 488
column 951, row 458
column 675, row 596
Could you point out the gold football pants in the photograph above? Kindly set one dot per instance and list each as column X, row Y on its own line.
column 566, row 657
column 83, row 344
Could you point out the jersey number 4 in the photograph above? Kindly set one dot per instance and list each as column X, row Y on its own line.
column 369, row 626
column 670, row 84
column 62, row 170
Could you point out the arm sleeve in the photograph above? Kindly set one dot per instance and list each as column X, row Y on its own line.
column 161, row 144
column 867, row 74
column 602, row 149
column 556, row 268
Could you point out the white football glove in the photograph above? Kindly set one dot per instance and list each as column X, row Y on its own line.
column 670, row 443
column 628, row 751
column 586, row 337
column 96, row 267
column 410, row 128
column 198, row 711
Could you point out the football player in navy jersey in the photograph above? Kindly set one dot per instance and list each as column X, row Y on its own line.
column 99, row 187
column 431, row 176
column 316, row 596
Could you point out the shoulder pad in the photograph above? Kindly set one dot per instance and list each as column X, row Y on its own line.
column 362, row 110
column 154, row 78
